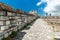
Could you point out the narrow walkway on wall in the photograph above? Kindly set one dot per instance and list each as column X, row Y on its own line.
column 40, row 30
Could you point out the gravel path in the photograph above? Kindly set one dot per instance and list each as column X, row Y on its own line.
column 40, row 30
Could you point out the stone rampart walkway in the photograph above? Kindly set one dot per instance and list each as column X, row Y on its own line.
column 40, row 30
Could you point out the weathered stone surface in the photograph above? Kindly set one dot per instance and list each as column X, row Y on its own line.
column 40, row 30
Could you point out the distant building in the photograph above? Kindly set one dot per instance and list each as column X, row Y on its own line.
column 33, row 13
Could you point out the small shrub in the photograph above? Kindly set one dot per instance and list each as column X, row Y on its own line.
column 13, row 34
column 8, row 38
column 3, row 38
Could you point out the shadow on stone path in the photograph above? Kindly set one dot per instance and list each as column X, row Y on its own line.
column 22, row 33
column 20, row 36
column 27, row 28
column 57, row 38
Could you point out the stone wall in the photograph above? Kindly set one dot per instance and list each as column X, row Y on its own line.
column 13, row 22
column 55, row 23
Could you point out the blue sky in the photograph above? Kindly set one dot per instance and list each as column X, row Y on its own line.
column 25, row 5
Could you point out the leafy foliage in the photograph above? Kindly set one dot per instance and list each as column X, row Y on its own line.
column 13, row 34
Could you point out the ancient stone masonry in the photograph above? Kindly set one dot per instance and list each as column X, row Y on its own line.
column 54, row 21
column 12, row 20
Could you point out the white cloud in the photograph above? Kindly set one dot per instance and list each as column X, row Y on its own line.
column 53, row 6
column 39, row 3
